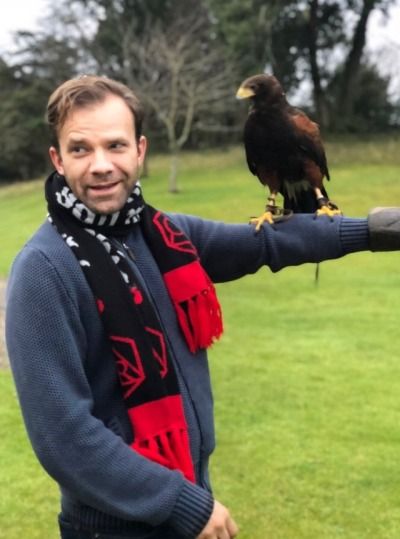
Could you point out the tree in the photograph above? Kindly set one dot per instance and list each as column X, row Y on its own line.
column 42, row 61
column 247, row 29
column 166, row 52
column 173, row 62
column 22, row 129
column 353, row 64
column 372, row 110
column 182, row 78
column 312, row 40
column 324, row 30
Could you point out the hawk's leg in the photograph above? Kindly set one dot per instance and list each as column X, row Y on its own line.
column 325, row 206
column 272, row 212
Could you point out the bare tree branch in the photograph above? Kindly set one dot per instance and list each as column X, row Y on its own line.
column 181, row 76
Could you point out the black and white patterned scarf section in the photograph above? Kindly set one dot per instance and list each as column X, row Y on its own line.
column 146, row 371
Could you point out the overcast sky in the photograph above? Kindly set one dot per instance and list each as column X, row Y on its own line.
column 24, row 15
column 19, row 15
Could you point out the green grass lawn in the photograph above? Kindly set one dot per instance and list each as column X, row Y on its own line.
column 306, row 378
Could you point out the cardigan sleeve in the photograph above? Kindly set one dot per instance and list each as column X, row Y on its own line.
column 230, row 251
column 47, row 345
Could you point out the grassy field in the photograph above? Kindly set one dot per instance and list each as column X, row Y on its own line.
column 306, row 378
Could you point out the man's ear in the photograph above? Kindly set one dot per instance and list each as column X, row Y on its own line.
column 56, row 159
column 142, row 147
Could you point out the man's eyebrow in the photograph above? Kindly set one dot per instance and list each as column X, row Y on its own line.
column 118, row 138
column 75, row 140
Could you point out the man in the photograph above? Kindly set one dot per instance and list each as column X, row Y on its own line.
column 111, row 307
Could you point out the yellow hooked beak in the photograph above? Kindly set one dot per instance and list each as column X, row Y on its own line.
column 244, row 93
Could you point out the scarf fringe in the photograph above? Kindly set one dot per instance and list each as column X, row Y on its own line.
column 170, row 449
column 196, row 304
column 161, row 434
column 200, row 319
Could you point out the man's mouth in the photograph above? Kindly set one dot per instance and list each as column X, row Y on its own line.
column 104, row 186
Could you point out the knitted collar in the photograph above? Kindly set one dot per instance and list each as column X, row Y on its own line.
column 143, row 359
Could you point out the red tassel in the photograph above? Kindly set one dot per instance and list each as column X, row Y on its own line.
column 161, row 434
column 201, row 320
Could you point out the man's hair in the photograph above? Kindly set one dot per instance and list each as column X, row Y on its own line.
column 88, row 90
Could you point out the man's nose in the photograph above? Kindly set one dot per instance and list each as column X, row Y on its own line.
column 101, row 163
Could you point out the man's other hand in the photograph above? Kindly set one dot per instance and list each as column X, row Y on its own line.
column 220, row 525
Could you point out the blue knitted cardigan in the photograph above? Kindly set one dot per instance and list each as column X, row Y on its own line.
column 67, row 384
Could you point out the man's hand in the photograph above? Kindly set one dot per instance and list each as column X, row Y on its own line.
column 220, row 525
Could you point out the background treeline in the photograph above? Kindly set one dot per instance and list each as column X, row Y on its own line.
column 185, row 59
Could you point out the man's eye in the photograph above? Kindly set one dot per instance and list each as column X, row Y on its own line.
column 78, row 149
column 117, row 145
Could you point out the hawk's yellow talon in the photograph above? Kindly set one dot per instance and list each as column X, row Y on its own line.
column 330, row 212
column 266, row 217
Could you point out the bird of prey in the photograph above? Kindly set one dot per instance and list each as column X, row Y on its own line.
column 285, row 151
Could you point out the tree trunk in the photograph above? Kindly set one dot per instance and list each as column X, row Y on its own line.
column 173, row 171
column 344, row 105
column 321, row 106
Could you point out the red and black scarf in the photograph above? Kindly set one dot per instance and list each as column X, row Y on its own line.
column 145, row 367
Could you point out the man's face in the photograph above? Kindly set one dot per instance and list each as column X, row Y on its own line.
column 99, row 154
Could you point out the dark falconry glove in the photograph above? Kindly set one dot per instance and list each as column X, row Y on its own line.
column 384, row 229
